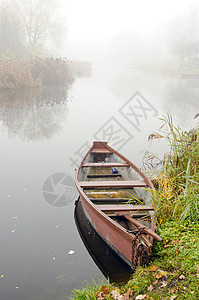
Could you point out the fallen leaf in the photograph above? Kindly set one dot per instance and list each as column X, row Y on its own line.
column 140, row 297
column 2, row 276
column 164, row 283
column 116, row 295
column 99, row 296
column 153, row 268
column 192, row 292
column 181, row 277
column 173, row 297
column 150, row 288
column 134, row 287
column 127, row 294
column 105, row 290
column 70, row 252
column 158, row 276
column 13, row 230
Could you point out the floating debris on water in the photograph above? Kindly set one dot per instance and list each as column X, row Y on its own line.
column 70, row 252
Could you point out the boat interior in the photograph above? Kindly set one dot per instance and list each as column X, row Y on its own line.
column 117, row 190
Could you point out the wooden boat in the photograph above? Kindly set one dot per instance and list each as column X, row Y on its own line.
column 116, row 199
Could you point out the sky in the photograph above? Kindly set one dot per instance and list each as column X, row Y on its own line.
column 94, row 22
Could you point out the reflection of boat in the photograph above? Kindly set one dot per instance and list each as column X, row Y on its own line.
column 115, row 197
column 105, row 258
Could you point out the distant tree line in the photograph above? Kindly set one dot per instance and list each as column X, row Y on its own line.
column 28, row 26
column 184, row 38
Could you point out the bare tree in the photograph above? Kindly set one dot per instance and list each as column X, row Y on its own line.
column 39, row 19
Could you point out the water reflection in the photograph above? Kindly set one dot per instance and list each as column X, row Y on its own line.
column 182, row 100
column 166, row 93
column 105, row 258
column 33, row 114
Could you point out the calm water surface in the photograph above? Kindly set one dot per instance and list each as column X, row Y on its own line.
column 44, row 133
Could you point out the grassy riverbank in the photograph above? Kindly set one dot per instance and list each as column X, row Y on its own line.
column 173, row 272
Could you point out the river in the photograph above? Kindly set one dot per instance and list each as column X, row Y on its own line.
column 43, row 135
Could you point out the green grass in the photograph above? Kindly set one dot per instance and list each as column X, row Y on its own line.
column 174, row 269
column 88, row 291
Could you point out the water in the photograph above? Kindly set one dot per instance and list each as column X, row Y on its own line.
column 41, row 133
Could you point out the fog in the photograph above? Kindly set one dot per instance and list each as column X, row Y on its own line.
column 125, row 33
column 108, row 31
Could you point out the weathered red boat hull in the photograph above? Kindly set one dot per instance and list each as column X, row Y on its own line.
column 114, row 236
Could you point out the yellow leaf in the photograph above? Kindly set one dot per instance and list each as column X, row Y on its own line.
column 105, row 289
column 2, row 276
column 153, row 268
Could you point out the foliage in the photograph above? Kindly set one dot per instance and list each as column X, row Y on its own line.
column 177, row 196
column 53, row 71
column 28, row 27
column 16, row 75
column 88, row 292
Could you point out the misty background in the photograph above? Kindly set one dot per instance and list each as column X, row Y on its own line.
column 119, row 33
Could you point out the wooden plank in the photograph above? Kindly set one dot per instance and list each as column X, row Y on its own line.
column 140, row 225
column 106, row 165
column 114, row 199
column 103, row 151
column 138, row 216
column 103, row 175
column 112, row 184
column 125, row 207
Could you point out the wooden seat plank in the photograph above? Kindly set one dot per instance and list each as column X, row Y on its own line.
column 103, row 175
column 125, row 207
column 103, row 151
column 112, row 184
column 107, row 165
column 114, row 199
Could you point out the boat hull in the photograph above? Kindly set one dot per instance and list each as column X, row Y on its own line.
column 105, row 258
column 115, row 237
